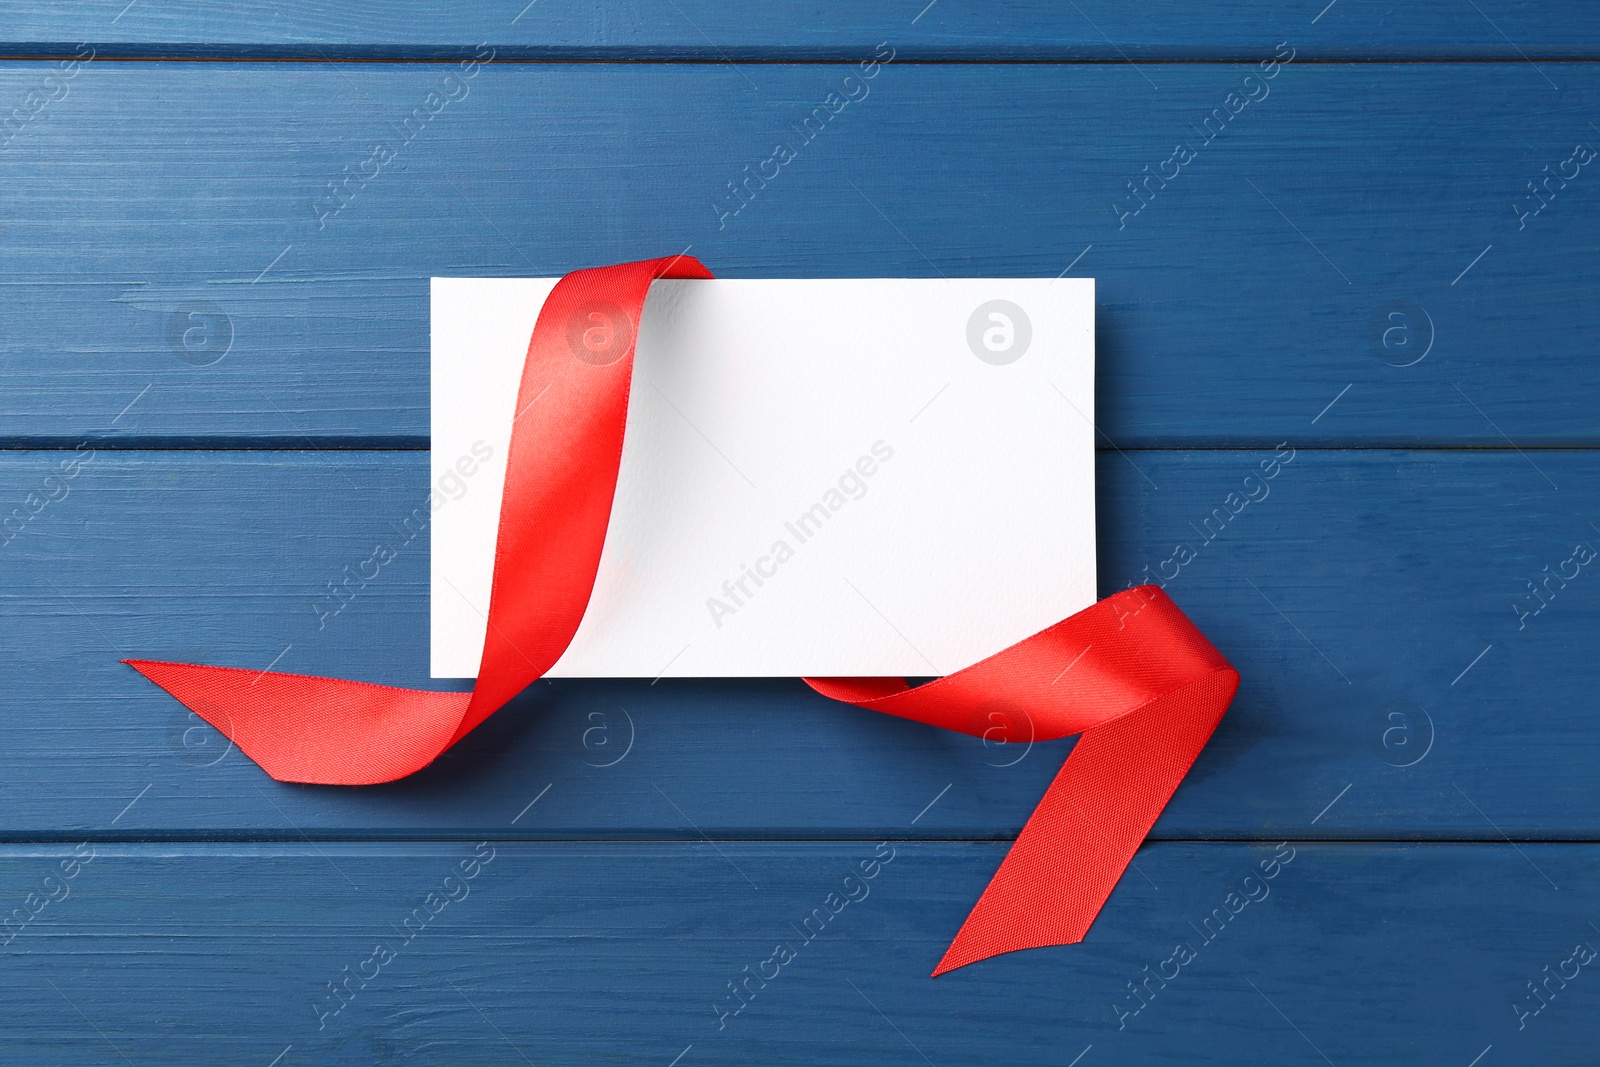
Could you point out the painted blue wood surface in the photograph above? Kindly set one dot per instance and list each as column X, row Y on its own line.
column 1086, row 30
column 1394, row 572
column 169, row 284
column 589, row 954
column 1235, row 307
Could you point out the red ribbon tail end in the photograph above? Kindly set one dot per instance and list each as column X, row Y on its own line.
column 321, row 730
column 1084, row 833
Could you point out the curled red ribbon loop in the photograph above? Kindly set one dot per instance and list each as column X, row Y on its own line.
column 1131, row 673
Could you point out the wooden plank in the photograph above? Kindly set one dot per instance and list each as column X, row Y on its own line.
column 700, row 30
column 1391, row 689
column 172, row 243
column 622, row 953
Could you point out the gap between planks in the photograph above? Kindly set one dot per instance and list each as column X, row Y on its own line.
column 362, row 444
column 801, row 57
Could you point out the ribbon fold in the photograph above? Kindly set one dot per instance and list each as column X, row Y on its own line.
column 1131, row 673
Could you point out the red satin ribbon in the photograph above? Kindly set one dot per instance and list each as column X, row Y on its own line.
column 1131, row 673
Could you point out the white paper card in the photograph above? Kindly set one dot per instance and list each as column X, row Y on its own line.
column 825, row 477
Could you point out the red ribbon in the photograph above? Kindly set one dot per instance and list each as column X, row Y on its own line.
column 1131, row 673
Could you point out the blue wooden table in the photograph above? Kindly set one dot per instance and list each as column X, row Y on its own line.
column 1360, row 234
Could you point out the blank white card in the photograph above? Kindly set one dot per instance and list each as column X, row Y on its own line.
column 824, row 477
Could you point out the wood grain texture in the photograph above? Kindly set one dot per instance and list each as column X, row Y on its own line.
column 178, row 273
column 1366, row 597
column 701, row 30
column 166, row 215
column 588, row 954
